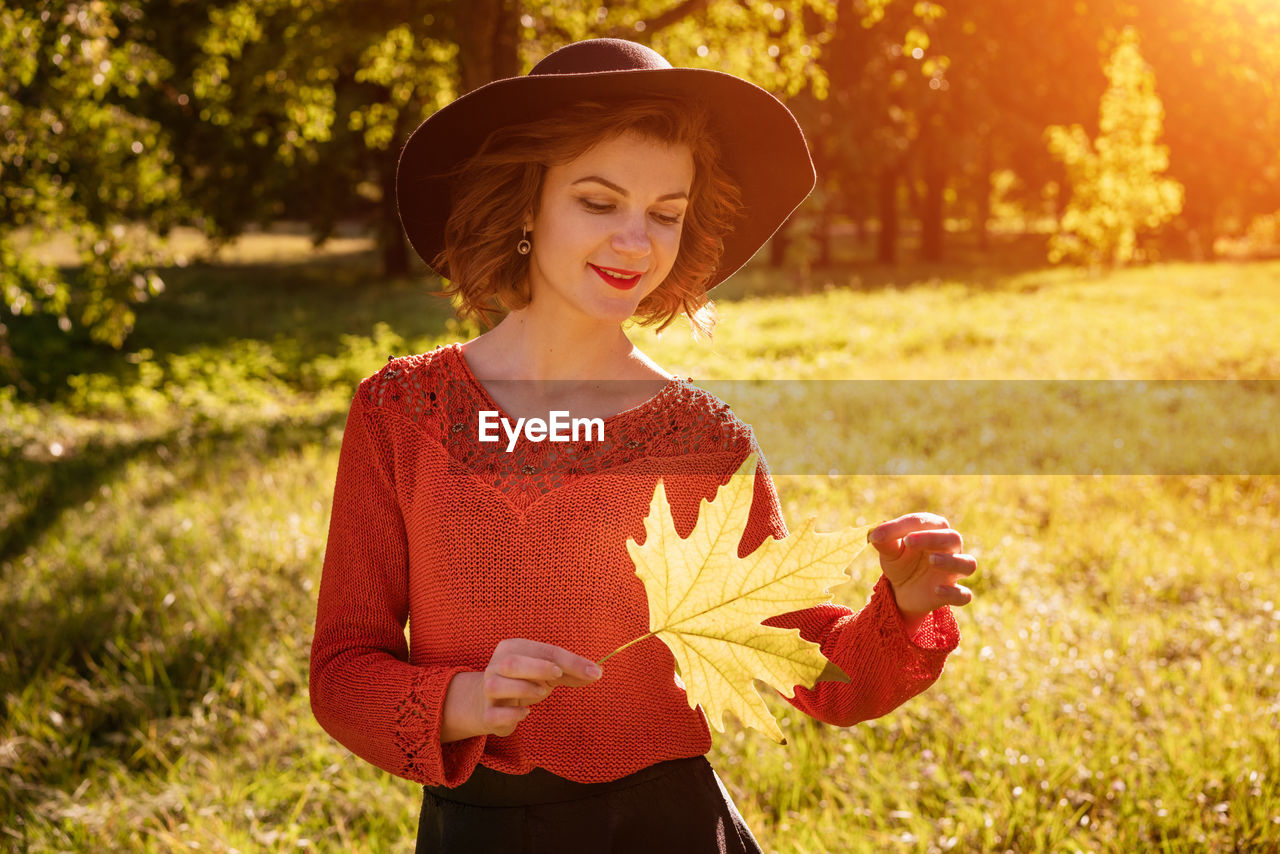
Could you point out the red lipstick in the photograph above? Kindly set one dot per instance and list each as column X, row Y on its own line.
column 617, row 280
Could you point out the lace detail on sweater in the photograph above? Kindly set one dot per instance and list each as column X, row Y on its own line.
column 438, row 393
column 413, row 726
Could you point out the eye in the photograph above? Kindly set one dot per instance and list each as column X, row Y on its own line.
column 596, row 207
column 666, row 219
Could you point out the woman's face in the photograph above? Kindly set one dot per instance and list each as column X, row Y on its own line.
column 608, row 227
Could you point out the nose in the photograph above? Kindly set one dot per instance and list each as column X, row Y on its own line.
column 631, row 240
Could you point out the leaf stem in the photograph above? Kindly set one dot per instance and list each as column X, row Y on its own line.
column 624, row 646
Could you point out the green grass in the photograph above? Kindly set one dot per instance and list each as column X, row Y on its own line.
column 164, row 511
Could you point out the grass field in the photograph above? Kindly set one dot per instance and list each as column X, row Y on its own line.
column 164, row 510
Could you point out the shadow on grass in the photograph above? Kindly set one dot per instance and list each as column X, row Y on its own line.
column 84, row 668
column 45, row 489
column 48, row 488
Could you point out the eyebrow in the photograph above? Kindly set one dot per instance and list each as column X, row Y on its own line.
column 620, row 191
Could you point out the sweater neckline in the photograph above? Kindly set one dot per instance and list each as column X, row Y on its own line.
column 659, row 398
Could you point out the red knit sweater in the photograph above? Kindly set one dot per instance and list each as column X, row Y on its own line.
column 471, row 544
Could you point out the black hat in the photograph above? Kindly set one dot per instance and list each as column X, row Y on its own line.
column 761, row 145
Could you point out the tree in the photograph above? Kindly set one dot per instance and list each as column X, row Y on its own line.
column 1219, row 70
column 858, row 130
column 932, row 99
column 1117, row 191
column 302, row 108
column 992, row 90
column 77, row 160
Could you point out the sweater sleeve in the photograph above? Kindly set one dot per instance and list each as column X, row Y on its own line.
column 885, row 667
column 364, row 691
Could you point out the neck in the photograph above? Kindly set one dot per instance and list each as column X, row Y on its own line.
column 565, row 350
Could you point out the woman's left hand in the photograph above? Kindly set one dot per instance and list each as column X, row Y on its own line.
column 921, row 556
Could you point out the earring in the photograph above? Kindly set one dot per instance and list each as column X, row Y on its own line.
column 524, row 247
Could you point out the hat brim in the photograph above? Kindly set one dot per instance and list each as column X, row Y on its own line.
column 761, row 146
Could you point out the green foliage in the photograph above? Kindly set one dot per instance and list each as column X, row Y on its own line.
column 114, row 116
column 417, row 76
column 275, row 73
column 76, row 160
column 774, row 44
column 1117, row 188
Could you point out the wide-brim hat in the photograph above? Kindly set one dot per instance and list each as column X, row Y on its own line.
column 761, row 144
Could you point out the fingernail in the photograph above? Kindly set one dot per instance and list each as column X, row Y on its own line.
column 556, row 671
column 935, row 559
column 594, row 671
column 876, row 536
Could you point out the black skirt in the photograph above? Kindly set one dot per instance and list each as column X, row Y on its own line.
column 679, row 806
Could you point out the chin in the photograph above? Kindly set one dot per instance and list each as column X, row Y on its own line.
column 614, row 312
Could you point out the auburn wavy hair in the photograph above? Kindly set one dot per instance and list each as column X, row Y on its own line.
column 495, row 188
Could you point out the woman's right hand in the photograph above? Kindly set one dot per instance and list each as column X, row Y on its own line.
column 520, row 673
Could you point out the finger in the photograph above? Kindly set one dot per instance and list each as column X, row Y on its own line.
column 896, row 529
column 576, row 669
column 575, row 681
column 521, row 702
column 498, row 687
column 945, row 540
column 887, row 536
column 957, row 564
column 502, row 720
column 892, row 549
column 957, row 595
column 533, row 668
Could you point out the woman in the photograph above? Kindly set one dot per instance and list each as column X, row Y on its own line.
column 603, row 186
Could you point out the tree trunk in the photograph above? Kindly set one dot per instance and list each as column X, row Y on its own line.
column 932, row 222
column 887, row 197
column 824, row 233
column 395, row 253
column 984, row 196
column 488, row 49
column 1198, row 236
column 778, row 246
column 488, row 42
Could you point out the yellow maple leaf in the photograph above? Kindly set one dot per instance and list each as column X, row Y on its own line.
column 706, row 604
